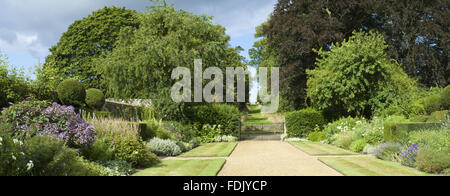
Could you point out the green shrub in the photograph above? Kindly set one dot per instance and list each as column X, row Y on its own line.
column 387, row 151
column 399, row 131
column 71, row 92
column 208, row 133
column 439, row 116
column 343, row 124
column 345, row 139
column 180, row 131
column 117, row 168
column 100, row 151
column 227, row 116
column 124, row 139
column 164, row 147
column 432, row 103
column 317, row 136
column 433, row 161
column 95, row 98
column 358, row 145
column 225, row 138
column 445, row 98
column 301, row 123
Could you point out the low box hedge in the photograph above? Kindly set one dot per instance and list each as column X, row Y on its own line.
column 301, row 123
column 399, row 131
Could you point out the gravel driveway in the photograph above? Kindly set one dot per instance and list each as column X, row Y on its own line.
column 273, row 158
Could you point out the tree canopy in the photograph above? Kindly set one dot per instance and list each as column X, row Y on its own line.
column 86, row 39
column 142, row 63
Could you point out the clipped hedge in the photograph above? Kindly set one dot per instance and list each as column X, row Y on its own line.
column 399, row 131
column 95, row 99
column 445, row 98
column 228, row 116
column 301, row 123
column 71, row 93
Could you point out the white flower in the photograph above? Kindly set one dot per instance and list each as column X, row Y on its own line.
column 1, row 139
column 23, row 154
column 30, row 165
column 15, row 141
column 20, row 143
column 13, row 157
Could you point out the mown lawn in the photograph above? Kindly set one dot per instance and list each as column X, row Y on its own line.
column 255, row 117
column 316, row 148
column 193, row 167
column 222, row 149
column 368, row 166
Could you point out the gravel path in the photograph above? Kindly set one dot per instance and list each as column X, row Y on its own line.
column 273, row 158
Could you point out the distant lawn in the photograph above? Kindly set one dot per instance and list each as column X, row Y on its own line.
column 255, row 117
column 212, row 150
column 209, row 167
column 368, row 166
column 315, row 148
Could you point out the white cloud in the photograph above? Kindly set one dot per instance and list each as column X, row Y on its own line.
column 25, row 42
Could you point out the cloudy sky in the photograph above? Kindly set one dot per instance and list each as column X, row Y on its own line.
column 28, row 28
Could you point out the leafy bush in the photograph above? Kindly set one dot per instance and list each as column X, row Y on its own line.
column 387, row 151
column 208, row 133
column 433, row 161
column 345, row 139
column 124, row 139
column 371, row 131
column 343, row 124
column 317, row 136
column 37, row 118
column 369, row 149
column 100, row 151
column 15, row 87
column 358, row 145
column 227, row 116
column 71, row 92
column 118, row 168
column 439, row 116
column 164, row 147
column 95, row 98
column 445, row 98
column 301, row 123
column 432, row 103
column 180, row 131
column 407, row 155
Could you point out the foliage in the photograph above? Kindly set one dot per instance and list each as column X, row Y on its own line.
column 227, row 116
column 296, row 27
column 71, row 92
column 15, row 87
column 207, row 133
column 345, row 139
column 387, row 151
column 38, row 118
column 317, row 136
column 433, row 161
column 355, row 77
column 142, row 63
column 358, row 145
column 399, row 131
column 100, row 151
column 445, row 98
column 407, row 155
column 85, row 40
column 179, row 131
column 123, row 137
column 436, row 139
column 439, row 116
column 95, row 98
column 164, row 147
column 343, row 124
column 118, row 168
column 432, row 103
column 301, row 123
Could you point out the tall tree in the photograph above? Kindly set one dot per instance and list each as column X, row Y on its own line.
column 297, row 27
column 417, row 33
column 86, row 39
column 142, row 63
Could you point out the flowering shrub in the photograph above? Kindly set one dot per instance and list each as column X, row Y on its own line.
column 225, row 138
column 117, row 168
column 358, row 145
column 38, row 118
column 408, row 154
column 208, row 133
